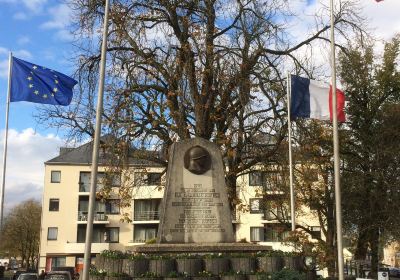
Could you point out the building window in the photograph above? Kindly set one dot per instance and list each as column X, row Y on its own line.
column 275, row 233
column 153, row 179
column 256, row 178
column 58, row 262
column 101, row 234
column 54, row 204
column 52, row 233
column 256, row 234
column 270, row 180
column 84, row 181
column 315, row 232
column 143, row 233
column 146, row 209
column 55, row 176
column 255, row 205
column 276, row 210
column 115, row 179
column 112, row 235
column 147, row 178
column 112, row 206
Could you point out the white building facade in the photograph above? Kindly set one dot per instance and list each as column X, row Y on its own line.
column 65, row 209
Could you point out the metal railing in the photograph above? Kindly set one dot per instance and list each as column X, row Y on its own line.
column 86, row 187
column 98, row 216
column 146, row 215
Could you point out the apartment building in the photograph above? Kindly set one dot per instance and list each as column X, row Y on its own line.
column 65, row 209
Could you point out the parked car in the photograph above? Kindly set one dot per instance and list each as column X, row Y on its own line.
column 58, row 275
column 70, row 269
column 28, row 276
column 17, row 273
column 394, row 272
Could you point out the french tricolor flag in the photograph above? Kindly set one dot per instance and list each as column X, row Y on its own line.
column 313, row 99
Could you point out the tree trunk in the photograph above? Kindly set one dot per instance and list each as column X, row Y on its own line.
column 331, row 253
column 362, row 246
column 374, row 243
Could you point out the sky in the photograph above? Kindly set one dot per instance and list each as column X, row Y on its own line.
column 38, row 31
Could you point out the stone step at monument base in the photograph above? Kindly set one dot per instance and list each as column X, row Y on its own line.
column 198, row 248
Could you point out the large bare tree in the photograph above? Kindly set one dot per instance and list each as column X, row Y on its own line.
column 185, row 68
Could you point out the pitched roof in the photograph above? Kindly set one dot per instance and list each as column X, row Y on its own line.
column 82, row 155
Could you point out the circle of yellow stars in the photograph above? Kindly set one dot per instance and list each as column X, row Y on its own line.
column 35, row 91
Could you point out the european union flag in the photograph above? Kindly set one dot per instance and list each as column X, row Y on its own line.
column 38, row 84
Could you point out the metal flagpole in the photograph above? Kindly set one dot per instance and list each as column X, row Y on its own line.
column 338, row 199
column 95, row 156
column 5, row 143
column 292, row 204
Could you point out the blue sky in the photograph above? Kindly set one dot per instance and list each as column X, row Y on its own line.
column 38, row 31
column 35, row 30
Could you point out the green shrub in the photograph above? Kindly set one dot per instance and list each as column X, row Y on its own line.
column 271, row 253
column 113, row 254
column 151, row 241
column 186, row 256
column 160, row 257
column 94, row 272
column 133, row 257
column 149, row 274
column 347, row 277
column 174, row 274
column 288, row 274
column 215, row 255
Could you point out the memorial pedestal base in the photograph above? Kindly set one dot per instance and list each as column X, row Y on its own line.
column 198, row 248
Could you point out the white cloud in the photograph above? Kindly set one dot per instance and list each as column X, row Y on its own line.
column 23, row 40
column 383, row 17
column 60, row 17
column 3, row 51
column 60, row 21
column 4, row 68
column 24, row 54
column 64, row 35
column 27, row 151
column 20, row 16
column 34, row 6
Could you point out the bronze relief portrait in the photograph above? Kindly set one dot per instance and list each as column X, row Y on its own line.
column 197, row 160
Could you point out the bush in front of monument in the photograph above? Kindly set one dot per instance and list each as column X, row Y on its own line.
column 190, row 264
column 216, row 263
column 117, row 276
column 288, row 274
column 96, row 274
column 135, row 265
column 259, row 275
column 242, row 262
column 205, row 275
column 110, row 261
column 147, row 276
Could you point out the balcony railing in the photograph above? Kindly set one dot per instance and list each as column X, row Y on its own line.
column 98, row 216
column 146, row 215
column 86, row 187
column 275, row 215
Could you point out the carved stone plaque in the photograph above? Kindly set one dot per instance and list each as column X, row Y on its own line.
column 195, row 208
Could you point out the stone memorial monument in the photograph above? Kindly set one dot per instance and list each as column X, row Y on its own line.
column 195, row 208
